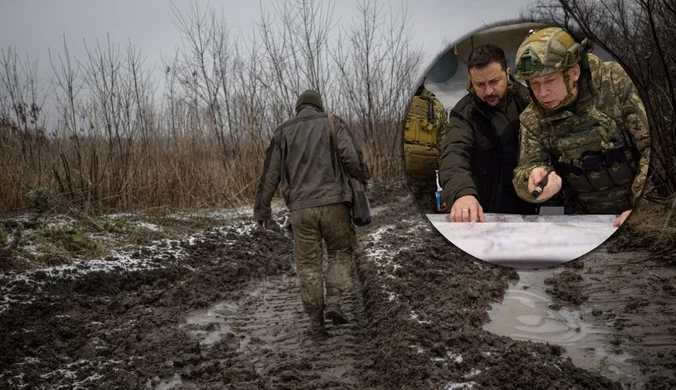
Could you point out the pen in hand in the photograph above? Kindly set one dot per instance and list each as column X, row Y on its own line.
column 539, row 188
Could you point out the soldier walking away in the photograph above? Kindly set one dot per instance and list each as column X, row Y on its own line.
column 303, row 157
column 586, row 130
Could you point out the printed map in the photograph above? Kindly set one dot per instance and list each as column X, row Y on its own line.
column 527, row 241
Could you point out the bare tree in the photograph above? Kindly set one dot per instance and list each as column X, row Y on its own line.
column 204, row 65
column 21, row 103
column 67, row 89
column 295, row 53
column 377, row 64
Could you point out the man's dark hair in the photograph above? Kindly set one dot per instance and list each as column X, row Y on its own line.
column 484, row 55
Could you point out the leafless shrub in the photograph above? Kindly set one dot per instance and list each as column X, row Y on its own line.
column 115, row 143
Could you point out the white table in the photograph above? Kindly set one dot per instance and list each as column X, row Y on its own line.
column 531, row 241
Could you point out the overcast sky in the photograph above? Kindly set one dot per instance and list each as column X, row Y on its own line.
column 33, row 26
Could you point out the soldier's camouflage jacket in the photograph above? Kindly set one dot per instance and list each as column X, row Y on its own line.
column 599, row 144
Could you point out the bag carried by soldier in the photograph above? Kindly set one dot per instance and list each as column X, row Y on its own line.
column 361, row 211
column 421, row 149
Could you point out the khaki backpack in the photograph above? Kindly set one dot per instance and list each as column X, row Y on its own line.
column 421, row 149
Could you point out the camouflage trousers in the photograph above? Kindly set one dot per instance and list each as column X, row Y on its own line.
column 312, row 226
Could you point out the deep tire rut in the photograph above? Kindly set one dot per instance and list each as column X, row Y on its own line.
column 267, row 328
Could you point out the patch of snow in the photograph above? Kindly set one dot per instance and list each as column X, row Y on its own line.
column 415, row 316
column 78, row 363
column 32, row 250
column 116, row 260
column 147, row 226
column 19, row 384
column 150, row 257
column 60, row 372
column 99, row 236
column 378, row 234
column 8, row 300
column 391, row 296
column 459, row 386
column 246, row 228
column 377, row 254
column 456, row 358
column 60, row 222
column 165, row 250
column 383, row 256
column 119, row 216
column 472, row 374
column 230, row 214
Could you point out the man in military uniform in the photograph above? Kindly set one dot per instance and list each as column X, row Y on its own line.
column 303, row 156
column 425, row 124
column 480, row 148
column 586, row 130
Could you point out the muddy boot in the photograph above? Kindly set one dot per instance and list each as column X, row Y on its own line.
column 335, row 314
column 315, row 330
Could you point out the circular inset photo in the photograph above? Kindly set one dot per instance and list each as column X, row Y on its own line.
column 526, row 146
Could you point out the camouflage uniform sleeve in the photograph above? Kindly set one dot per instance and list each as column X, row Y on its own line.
column 533, row 153
column 636, row 123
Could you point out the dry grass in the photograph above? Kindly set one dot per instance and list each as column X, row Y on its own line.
column 645, row 230
column 94, row 176
column 91, row 176
column 649, row 219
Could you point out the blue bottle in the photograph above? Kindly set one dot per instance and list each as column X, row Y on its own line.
column 438, row 192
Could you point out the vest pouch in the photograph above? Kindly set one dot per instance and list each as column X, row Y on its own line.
column 622, row 166
column 420, row 161
column 579, row 183
column 572, row 172
column 600, row 180
column 594, row 165
column 419, row 130
column 622, row 173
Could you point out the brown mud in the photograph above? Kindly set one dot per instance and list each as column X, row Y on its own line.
column 221, row 310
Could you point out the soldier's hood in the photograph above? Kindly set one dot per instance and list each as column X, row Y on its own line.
column 307, row 109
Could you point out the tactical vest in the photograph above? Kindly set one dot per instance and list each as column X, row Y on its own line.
column 596, row 156
column 421, row 149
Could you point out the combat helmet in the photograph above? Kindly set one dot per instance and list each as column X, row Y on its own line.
column 548, row 51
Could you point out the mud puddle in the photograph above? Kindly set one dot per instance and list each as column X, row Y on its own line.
column 528, row 313
column 211, row 325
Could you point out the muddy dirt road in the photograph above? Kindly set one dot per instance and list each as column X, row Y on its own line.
column 220, row 309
